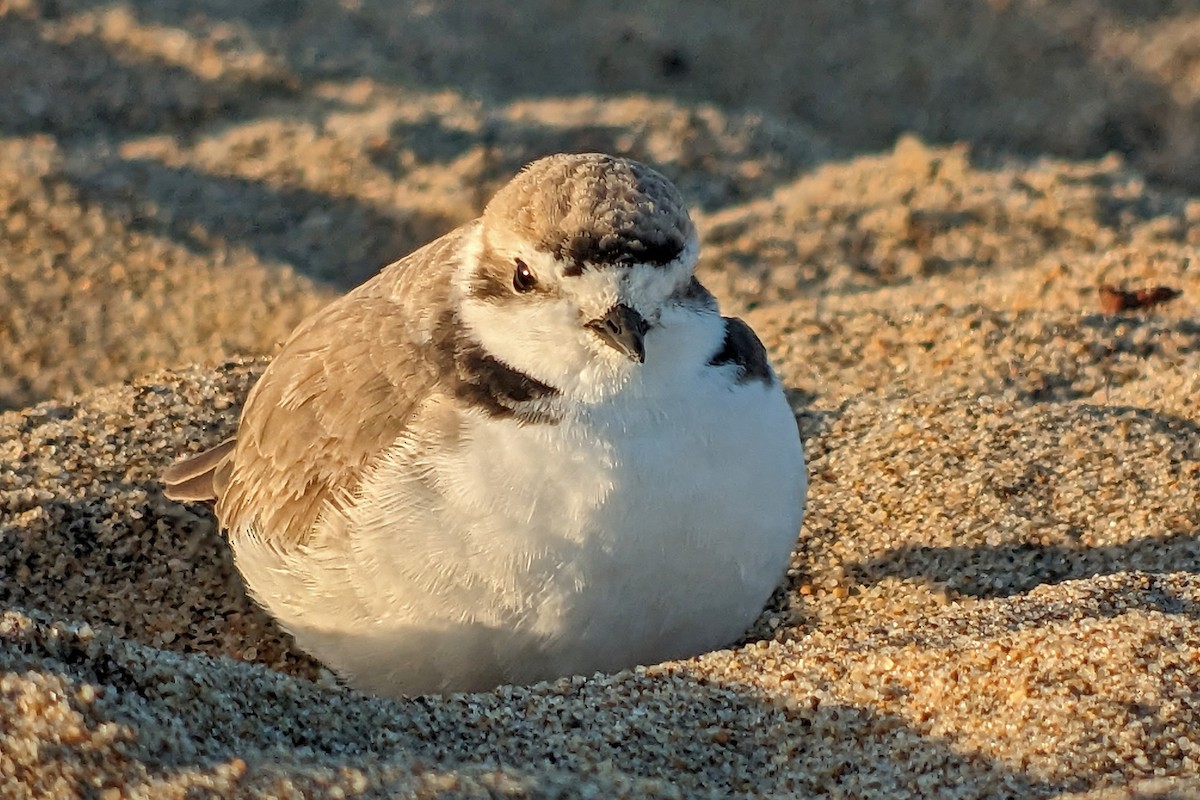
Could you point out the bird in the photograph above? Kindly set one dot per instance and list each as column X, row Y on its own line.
column 531, row 449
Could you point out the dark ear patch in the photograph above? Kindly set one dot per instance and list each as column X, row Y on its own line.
column 743, row 349
column 493, row 278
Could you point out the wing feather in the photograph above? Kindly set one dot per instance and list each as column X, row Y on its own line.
column 193, row 479
column 344, row 387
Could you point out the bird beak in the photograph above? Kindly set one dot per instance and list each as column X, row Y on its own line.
column 624, row 329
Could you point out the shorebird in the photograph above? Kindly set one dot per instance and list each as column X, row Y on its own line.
column 532, row 448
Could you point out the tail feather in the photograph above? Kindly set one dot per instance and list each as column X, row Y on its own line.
column 200, row 477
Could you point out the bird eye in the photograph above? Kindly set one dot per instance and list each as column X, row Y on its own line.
column 523, row 279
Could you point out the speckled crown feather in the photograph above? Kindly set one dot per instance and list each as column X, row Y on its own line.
column 595, row 208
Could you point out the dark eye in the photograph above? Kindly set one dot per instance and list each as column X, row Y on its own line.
column 523, row 279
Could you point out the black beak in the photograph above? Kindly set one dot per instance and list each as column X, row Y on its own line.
column 624, row 329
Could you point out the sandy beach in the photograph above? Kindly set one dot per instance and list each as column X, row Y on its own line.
column 996, row 591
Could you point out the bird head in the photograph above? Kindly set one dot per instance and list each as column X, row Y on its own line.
column 579, row 269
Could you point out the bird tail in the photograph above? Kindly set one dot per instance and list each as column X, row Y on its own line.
column 200, row 477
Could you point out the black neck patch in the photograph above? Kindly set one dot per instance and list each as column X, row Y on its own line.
column 485, row 382
column 694, row 295
column 743, row 349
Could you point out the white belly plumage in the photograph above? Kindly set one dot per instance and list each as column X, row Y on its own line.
column 635, row 533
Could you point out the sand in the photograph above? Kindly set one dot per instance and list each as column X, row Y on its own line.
column 996, row 592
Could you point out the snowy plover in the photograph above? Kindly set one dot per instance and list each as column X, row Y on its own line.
column 532, row 448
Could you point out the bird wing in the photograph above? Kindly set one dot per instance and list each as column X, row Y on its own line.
column 196, row 478
column 342, row 389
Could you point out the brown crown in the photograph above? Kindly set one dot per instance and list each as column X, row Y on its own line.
column 594, row 208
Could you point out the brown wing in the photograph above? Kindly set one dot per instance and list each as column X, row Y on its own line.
column 341, row 390
column 197, row 478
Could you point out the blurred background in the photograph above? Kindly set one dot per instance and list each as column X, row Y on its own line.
column 182, row 181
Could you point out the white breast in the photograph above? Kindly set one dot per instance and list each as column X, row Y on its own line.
column 652, row 526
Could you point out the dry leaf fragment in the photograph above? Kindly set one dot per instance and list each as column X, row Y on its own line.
column 1114, row 300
